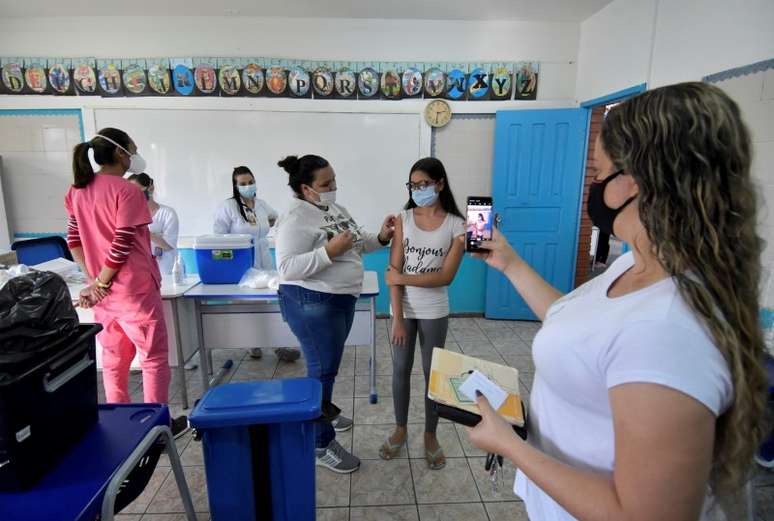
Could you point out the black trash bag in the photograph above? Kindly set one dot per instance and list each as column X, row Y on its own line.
column 36, row 311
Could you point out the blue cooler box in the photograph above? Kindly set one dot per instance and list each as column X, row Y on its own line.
column 185, row 248
column 223, row 259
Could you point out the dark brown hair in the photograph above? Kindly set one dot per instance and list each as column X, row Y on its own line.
column 302, row 170
column 690, row 152
column 104, row 150
column 239, row 170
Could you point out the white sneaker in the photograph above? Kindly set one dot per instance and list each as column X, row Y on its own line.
column 336, row 458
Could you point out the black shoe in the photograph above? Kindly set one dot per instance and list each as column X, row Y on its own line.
column 255, row 353
column 287, row 354
column 179, row 426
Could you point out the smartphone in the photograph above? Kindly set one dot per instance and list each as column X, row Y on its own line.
column 479, row 223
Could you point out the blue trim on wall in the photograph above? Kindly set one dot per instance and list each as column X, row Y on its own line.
column 467, row 293
column 740, row 71
column 603, row 100
column 47, row 112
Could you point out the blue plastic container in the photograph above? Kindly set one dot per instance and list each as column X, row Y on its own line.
column 223, row 259
column 258, row 442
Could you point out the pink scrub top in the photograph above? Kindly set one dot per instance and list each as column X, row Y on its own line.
column 104, row 205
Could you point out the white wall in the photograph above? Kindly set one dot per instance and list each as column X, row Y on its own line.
column 695, row 38
column 336, row 39
column 615, row 46
column 755, row 95
column 667, row 41
column 553, row 44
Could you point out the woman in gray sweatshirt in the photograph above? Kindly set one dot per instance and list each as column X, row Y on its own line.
column 319, row 257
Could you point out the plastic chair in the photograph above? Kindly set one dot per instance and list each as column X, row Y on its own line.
column 86, row 482
column 42, row 249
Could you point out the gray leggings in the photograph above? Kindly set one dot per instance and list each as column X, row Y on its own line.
column 432, row 333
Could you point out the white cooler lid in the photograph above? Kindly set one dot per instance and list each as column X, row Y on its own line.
column 223, row 242
column 186, row 242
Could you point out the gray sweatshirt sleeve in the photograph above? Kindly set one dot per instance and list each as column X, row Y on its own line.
column 371, row 242
column 297, row 257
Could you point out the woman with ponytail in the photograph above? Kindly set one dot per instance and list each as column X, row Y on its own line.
column 108, row 236
column 319, row 258
column 649, row 392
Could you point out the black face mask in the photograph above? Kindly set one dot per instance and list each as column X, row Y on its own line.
column 602, row 216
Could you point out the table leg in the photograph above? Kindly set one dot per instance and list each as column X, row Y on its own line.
column 204, row 358
column 372, row 363
column 180, row 355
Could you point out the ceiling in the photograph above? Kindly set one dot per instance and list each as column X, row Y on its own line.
column 523, row 10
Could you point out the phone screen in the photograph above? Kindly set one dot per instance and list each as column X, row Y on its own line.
column 480, row 220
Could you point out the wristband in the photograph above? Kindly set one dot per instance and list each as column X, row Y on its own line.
column 103, row 285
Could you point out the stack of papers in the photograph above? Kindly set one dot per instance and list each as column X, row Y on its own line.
column 455, row 378
column 66, row 269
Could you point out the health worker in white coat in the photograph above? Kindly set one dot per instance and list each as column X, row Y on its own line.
column 245, row 213
column 163, row 229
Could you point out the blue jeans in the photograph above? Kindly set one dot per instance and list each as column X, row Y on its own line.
column 321, row 322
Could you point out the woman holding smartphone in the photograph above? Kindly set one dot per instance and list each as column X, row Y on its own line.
column 426, row 252
column 655, row 410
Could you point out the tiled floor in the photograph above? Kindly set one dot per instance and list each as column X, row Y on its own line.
column 402, row 489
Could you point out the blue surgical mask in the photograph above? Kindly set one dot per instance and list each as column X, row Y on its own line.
column 247, row 191
column 425, row 197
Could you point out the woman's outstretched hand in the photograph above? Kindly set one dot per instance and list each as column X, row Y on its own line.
column 499, row 254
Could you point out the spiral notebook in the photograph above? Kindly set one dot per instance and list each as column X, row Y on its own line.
column 448, row 372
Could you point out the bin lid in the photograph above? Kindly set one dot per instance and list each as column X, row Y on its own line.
column 260, row 402
column 223, row 241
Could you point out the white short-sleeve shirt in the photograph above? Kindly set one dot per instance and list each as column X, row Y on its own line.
column 165, row 223
column 590, row 343
column 425, row 252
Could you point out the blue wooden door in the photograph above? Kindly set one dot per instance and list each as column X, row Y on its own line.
column 536, row 186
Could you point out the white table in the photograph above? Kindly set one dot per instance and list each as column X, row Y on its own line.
column 176, row 309
column 230, row 317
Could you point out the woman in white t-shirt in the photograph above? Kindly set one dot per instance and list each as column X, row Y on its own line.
column 649, row 391
column 426, row 253
column 163, row 229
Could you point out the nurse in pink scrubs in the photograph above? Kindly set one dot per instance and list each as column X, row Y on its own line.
column 109, row 238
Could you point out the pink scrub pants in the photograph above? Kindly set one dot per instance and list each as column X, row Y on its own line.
column 134, row 324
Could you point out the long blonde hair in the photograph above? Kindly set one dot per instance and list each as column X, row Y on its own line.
column 690, row 152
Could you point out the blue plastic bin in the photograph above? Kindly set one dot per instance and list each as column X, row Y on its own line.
column 258, row 443
column 41, row 249
column 223, row 259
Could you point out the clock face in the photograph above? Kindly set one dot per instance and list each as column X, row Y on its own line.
column 438, row 113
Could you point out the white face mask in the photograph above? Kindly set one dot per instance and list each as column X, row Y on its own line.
column 325, row 197
column 136, row 161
